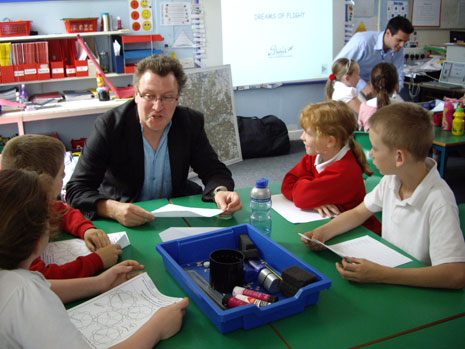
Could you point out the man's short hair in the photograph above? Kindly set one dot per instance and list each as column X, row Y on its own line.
column 399, row 23
column 39, row 153
column 404, row 125
column 162, row 66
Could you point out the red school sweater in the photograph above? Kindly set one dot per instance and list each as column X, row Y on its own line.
column 340, row 184
column 76, row 224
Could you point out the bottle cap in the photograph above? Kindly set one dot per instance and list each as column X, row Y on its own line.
column 262, row 183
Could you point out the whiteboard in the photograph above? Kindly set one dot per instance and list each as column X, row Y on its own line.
column 214, row 33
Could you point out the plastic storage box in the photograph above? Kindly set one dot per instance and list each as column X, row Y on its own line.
column 20, row 28
column 187, row 252
column 81, row 25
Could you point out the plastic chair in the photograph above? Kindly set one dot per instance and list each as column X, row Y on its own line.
column 363, row 139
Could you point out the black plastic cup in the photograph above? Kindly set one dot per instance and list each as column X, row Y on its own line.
column 226, row 270
column 103, row 96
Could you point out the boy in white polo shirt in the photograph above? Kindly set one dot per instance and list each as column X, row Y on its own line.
column 420, row 214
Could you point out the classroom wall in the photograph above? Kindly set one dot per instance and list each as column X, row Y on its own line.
column 285, row 102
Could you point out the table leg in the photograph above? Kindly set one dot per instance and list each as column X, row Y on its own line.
column 443, row 160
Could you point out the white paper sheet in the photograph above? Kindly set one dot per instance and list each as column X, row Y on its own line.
column 368, row 248
column 114, row 316
column 171, row 210
column 293, row 214
column 182, row 232
column 61, row 252
column 183, row 41
column 175, row 13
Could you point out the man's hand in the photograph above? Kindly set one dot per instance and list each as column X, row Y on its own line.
column 95, row 239
column 127, row 214
column 109, row 254
column 360, row 270
column 229, row 202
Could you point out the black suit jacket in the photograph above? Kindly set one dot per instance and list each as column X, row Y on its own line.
column 112, row 162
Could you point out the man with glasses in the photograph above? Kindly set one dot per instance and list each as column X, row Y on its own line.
column 143, row 149
column 370, row 48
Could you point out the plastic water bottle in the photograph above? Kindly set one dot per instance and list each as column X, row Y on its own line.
column 260, row 204
column 23, row 94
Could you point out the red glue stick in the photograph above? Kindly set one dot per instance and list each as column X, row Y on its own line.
column 258, row 295
column 258, row 302
column 232, row 302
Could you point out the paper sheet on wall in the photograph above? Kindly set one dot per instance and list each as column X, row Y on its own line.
column 171, row 210
column 175, row 13
column 114, row 316
column 174, row 233
column 183, row 41
column 293, row 214
column 426, row 13
column 61, row 252
column 368, row 248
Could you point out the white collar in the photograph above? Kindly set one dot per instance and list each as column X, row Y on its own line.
column 320, row 166
column 423, row 188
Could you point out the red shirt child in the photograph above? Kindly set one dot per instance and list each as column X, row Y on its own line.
column 76, row 224
column 329, row 178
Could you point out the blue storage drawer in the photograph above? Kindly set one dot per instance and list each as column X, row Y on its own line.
column 187, row 252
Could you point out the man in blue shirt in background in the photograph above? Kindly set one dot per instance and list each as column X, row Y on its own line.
column 370, row 48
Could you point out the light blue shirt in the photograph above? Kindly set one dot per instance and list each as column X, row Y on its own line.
column 157, row 169
column 367, row 49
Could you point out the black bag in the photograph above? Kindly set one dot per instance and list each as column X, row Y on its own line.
column 267, row 136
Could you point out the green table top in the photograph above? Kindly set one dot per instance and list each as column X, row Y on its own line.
column 197, row 331
column 446, row 138
column 448, row 334
column 347, row 314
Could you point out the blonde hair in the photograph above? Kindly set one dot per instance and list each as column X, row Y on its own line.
column 335, row 118
column 340, row 68
column 404, row 125
column 39, row 153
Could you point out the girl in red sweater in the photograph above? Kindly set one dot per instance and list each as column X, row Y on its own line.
column 45, row 154
column 329, row 178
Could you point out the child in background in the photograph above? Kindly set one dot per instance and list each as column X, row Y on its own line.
column 420, row 215
column 342, row 83
column 385, row 83
column 45, row 154
column 31, row 308
column 329, row 178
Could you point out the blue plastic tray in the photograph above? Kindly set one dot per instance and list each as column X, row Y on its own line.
column 187, row 252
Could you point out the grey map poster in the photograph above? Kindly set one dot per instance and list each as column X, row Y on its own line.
column 209, row 90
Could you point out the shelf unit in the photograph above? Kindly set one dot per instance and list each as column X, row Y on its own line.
column 62, row 36
column 60, row 110
column 135, row 48
column 53, row 70
column 132, row 50
column 64, row 109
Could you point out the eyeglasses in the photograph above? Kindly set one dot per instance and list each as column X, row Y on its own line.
column 164, row 100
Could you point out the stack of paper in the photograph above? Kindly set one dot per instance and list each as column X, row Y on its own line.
column 45, row 98
column 77, row 95
column 9, row 95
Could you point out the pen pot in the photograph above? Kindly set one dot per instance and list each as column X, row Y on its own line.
column 226, row 270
